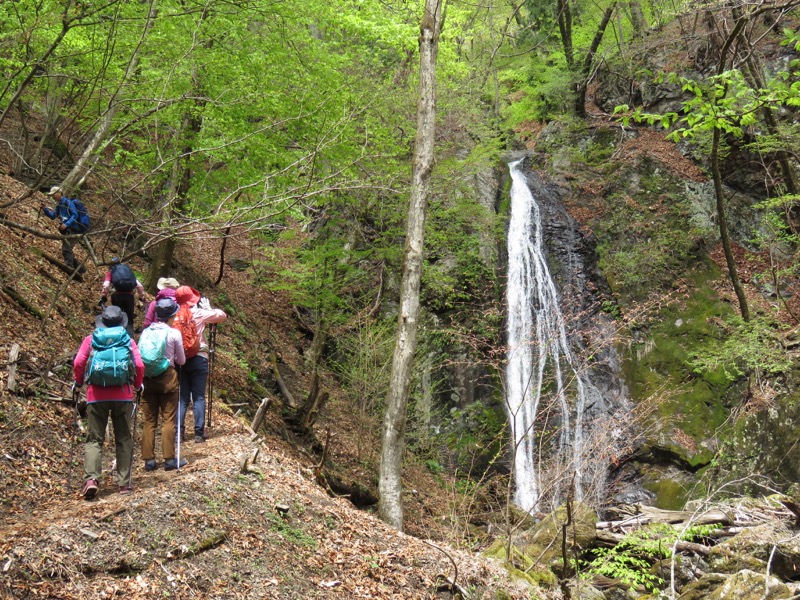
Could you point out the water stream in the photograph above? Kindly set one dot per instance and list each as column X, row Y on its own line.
column 546, row 387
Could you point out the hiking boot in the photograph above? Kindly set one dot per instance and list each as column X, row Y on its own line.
column 150, row 465
column 125, row 489
column 198, row 439
column 171, row 464
column 89, row 489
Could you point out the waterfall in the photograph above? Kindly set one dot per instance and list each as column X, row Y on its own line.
column 542, row 372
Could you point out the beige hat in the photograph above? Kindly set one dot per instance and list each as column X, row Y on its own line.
column 53, row 190
column 167, row 282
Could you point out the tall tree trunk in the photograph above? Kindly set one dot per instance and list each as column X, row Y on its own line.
column 85, row 162
column 638, row 20
column 390, row 506
column 718, row 191
column 583, row 82
column 191, row 126
column 564, row 17
column 723, row 227
column 755, row 75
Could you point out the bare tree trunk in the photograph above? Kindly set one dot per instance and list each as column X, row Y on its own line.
column 583, row 82
column 718, row 191
column 390, row 506
column 723, row 228
column 565, row 29
column 181, row 180
column 638, row 20
column 84, row 165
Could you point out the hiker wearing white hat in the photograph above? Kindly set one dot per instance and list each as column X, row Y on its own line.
column 73, row 219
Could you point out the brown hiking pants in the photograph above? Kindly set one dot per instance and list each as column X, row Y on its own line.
column 160, row 396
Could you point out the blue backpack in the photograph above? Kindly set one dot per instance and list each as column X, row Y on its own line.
column 152, row 347
column 111, row 362
column 78, row 210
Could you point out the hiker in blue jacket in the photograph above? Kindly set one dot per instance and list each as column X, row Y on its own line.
column 69, row 225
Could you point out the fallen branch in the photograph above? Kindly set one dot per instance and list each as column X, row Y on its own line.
column 260, row 414
column 22, row 302
column 62, row 266
column 215, row 539
column 290, row 401
column 612, row 539
column 13, row 355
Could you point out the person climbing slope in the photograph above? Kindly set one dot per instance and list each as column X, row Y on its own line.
column 121, row 278
column 194, row 374
column 162, row 350
column 166, row 289
column 109, row 361
column 74, row 219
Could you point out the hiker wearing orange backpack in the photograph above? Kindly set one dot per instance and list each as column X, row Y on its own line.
column 194, row 314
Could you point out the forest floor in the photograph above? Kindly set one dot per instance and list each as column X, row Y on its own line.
column 208, row 530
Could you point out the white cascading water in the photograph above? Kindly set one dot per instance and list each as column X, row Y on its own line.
column 538, row 348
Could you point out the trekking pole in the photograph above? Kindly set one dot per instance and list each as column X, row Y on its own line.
column 133, row 432
column 212, row 346
column 178, row 426
column 76, row 393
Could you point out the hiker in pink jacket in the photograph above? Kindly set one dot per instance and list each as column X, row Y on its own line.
column 104, row 401
column 194, row 374
column 166, row 289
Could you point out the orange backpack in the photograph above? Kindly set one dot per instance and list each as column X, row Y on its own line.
column 185, row 324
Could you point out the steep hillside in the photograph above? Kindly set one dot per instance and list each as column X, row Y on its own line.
column 209, row 530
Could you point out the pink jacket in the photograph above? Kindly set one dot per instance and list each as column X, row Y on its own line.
column 150, row 317
column 97, row 393
column 203, row 317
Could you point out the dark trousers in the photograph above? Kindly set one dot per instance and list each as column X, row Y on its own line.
column 126, row 303
column 194, row 376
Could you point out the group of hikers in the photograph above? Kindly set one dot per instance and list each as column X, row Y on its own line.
column 165, row 373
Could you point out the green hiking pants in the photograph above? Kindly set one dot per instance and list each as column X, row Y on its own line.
column 98, row 414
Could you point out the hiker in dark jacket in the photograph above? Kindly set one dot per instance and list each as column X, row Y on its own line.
column 122, row 295
column 68, row 225
column 160, row 395
column 166, row 289
column 102, row 402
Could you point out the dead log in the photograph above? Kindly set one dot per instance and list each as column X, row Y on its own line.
column 22, row 302
column 13, row 355
column 61, row 266
column 214, row 539
column 640, row 514
column 287, row 396
column 607, row 538
column 258, row 419
column 356, row 492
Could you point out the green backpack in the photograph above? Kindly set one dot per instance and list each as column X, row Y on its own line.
column 152, row 348
column 111, row 362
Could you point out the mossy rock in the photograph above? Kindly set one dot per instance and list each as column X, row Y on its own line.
column 521, row 566
column 752, row 548
column 685, row 570
column 764, row 442
column 744, row 585
column 544, row 541
column 691, row 416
